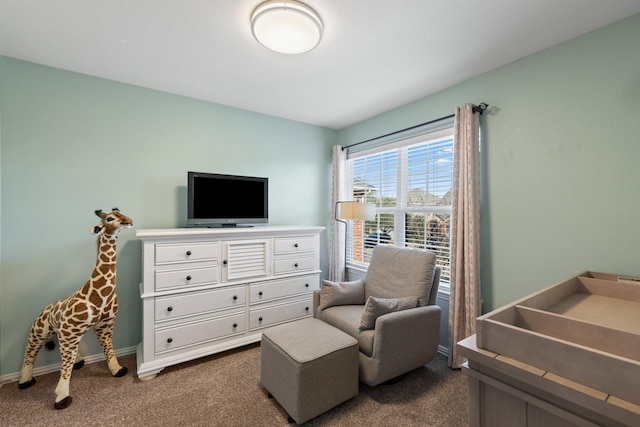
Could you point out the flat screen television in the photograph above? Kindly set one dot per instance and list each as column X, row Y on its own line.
column 216, row 200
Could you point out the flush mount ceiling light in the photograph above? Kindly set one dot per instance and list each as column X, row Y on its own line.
column 286, row 26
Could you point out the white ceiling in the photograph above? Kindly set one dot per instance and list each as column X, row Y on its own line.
column 375, row 55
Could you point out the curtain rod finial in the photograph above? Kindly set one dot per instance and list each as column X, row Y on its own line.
column 480, row 108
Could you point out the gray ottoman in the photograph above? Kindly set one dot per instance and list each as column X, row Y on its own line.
column 309, row 367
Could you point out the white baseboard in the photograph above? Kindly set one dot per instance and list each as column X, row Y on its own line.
column 41, row 370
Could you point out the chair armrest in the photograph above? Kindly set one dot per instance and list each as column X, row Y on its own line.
column 416, row 329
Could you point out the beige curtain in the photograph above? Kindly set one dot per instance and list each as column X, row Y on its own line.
column 464, row 300
column 336, row 255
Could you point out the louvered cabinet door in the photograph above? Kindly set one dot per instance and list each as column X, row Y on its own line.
column 245, row 259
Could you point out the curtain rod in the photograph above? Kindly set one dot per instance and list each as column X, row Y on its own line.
column 480, row 108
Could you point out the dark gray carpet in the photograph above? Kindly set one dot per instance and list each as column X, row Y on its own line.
column 224, row 390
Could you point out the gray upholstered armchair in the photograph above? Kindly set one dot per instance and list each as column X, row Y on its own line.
column 392, row 312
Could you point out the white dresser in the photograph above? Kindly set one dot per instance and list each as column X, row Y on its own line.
column 207, row 290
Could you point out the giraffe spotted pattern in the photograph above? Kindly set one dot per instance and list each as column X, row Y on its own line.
column 95, row 306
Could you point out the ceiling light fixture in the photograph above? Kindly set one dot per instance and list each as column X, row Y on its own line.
column 286, row 26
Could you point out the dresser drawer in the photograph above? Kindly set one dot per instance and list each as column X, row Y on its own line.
column 263, row 317
column 292, row 265
column 294, row 244
column 186, row 277
column 184, row 252
column 283, row 288
column 193, row 303
column 198, row 332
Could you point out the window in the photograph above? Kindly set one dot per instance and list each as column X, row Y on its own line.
column 410, row 183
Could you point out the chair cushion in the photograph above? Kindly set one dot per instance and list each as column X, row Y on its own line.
column 341, row 293
column 347, row 318
column 376, row 307
column 400, row 272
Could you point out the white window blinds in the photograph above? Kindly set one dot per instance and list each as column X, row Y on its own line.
column 409, row 180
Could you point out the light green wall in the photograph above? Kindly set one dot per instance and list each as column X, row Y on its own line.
column 560, row 159
column 560, row 156
column 72, row 144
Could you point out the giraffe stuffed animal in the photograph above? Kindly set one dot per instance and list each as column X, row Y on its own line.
column 95, row 306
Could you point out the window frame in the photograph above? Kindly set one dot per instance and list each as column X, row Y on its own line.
column 401, row 142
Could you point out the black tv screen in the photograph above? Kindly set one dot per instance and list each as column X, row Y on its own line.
column 216, row 199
